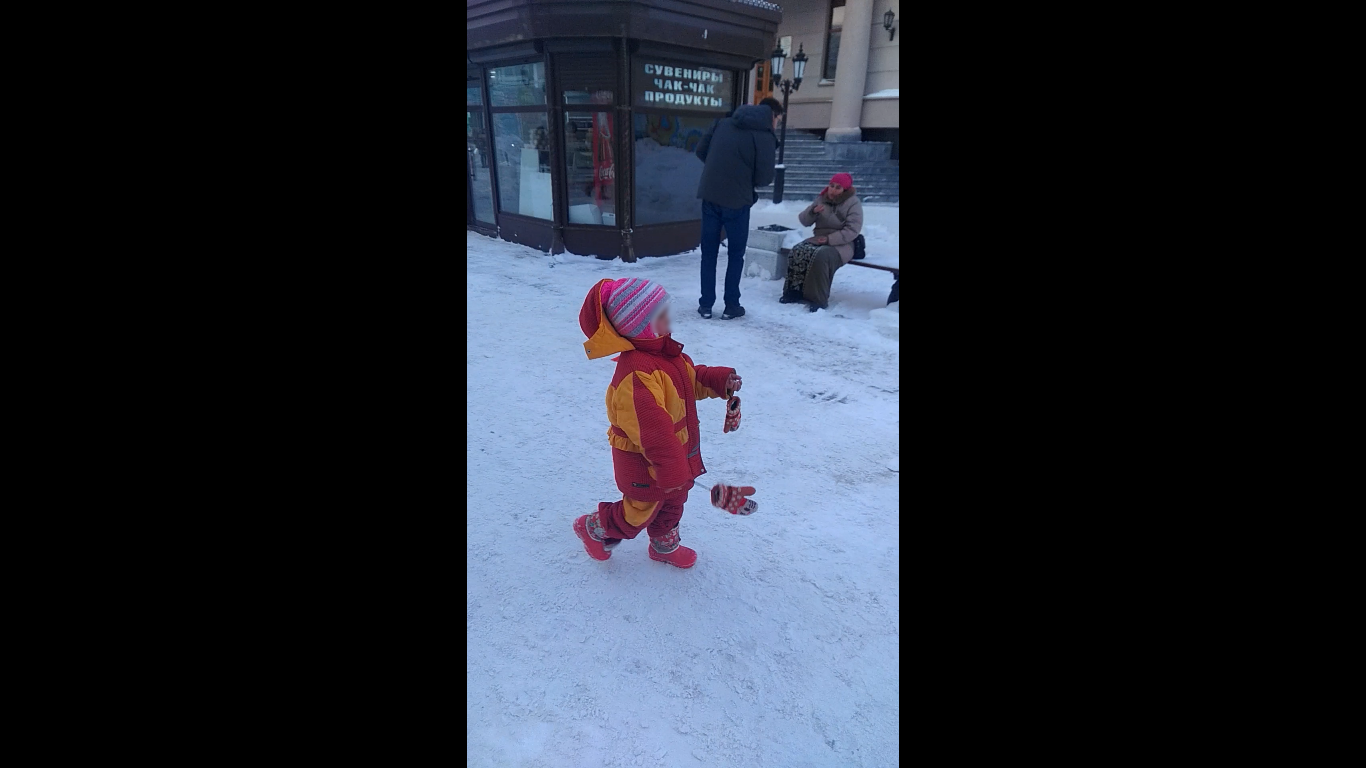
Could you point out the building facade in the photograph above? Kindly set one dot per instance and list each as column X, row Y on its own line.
column 851, row 91
column 582, row 116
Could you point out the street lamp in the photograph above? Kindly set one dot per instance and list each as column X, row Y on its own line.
column 788, row 86
column 887, row 19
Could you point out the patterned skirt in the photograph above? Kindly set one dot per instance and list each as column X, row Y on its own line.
column 798, row 261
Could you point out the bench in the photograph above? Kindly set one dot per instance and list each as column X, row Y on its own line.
column 896, row 272
column 895, row 295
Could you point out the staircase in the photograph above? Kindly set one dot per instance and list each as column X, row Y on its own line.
column 809, row 169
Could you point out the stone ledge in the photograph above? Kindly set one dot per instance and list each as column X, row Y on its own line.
column 765, row 240
column 764, row 264
column 867, row 151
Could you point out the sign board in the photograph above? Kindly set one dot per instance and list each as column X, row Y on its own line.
column 682, row 86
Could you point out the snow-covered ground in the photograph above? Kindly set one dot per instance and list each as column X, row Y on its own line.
column 779, row 648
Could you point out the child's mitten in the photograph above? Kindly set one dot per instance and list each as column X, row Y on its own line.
column 732, row 415
column 732, row 499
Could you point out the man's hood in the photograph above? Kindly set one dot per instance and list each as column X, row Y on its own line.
column 754, row 117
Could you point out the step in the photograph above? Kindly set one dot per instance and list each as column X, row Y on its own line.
column 822, row 177
column 821, row 162
column 799, row 197
column 810, row 194
column 800, row 175
column 824, row 174
column 869, row 182
column 811, row 170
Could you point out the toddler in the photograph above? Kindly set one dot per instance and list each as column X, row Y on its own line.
column 652, row 406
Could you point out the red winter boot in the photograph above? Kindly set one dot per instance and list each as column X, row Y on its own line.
column 666, row 549
column 595, row 541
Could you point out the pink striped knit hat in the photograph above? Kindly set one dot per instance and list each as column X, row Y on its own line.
column 632, row 304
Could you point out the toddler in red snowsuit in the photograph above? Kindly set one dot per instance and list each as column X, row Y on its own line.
column 652, row 406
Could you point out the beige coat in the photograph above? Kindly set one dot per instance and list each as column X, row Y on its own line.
column 841, row 221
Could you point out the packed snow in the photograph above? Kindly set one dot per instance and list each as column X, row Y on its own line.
column 780, row 646
column 889, row 93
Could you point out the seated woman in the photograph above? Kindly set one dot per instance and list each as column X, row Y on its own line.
column 838, row 218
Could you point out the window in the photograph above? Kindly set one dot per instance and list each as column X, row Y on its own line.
column 520, row 85
column 521, row 139
column 666, row 170
column 477, row 158
column 521, row 144
column 675, row 104
column 590, row 167
column 587, row 84
column 478, row 165
column 832, row 41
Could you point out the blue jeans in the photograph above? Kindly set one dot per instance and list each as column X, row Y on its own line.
column 736, row 222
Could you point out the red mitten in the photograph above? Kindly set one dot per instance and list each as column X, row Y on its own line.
column 732, row 499
column 732, row 415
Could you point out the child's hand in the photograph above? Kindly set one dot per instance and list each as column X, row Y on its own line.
column 817, row 208
column 733, row 382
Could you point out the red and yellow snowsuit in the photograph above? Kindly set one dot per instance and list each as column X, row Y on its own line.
column 652, row 407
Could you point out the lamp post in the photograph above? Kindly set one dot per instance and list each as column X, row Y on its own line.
column 788, row 86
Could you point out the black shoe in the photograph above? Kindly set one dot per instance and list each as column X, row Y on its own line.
column 814, row 307
column 790, row 297
column 733, row 312
column 705, row 312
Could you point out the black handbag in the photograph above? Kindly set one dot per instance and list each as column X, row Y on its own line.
column 860, row 247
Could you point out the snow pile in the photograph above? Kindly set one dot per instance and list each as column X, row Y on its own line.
column 780, row 647
column 888, row 319
column 796, row 236
column 666, row 183
column 890, row 93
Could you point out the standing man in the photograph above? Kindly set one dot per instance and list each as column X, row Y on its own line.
column 738, row 156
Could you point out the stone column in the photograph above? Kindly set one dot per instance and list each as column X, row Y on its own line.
column 851, row 72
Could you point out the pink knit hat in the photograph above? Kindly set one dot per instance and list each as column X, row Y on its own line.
column 842, row 179
column 632, row 304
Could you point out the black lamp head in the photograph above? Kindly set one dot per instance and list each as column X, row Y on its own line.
column 776, row 59
column 798, row 66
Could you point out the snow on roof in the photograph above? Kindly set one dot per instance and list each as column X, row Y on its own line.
column 890, row 93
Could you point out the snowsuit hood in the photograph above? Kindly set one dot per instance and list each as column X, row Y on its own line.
column 603, row 339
